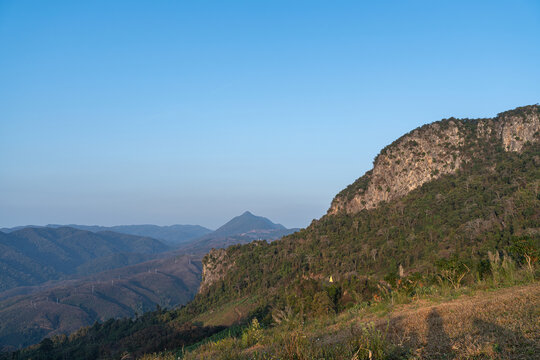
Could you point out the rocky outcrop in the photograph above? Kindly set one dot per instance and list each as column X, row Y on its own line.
column 420, row 156
column 517, row 127
column 433, row 150
column 215, row 266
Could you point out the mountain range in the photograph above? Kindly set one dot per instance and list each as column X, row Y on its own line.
column 102, row 274
column 450, row 203
column 241, row 229
column 172, row 235
column 29, row 314
column 31, row 256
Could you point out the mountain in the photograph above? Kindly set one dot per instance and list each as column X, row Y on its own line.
column 173, row 234
column 448, row 209
column 241, row 229
column 58, row 307
column 454, row 189
column 29, row 314
column 245, row 223
column 31, row 256
column 431, row 151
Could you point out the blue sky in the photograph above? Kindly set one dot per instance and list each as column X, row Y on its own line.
column 123, row 112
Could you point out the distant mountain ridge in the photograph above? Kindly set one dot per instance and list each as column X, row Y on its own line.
column 241, row 229
column 120, row 285
column 31, row 256
column 245, row 223
column 172, row 234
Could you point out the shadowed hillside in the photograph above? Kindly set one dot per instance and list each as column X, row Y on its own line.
column 31, row 256
column 64, row 307
column 173, row 234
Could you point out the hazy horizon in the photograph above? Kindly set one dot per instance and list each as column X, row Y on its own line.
column 140, row 224
column 167, row 113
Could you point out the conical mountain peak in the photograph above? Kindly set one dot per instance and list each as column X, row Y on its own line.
column 245, row 223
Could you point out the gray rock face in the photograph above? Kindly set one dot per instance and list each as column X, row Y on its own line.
column 431, row 151
column 215, row 267
column 515, row 130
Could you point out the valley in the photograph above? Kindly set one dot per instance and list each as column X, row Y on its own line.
column 112, row 283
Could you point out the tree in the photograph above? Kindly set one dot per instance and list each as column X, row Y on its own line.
column 528, row 249
column 322, row 304
column 46, row 347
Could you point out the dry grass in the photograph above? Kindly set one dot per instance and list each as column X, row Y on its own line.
column 229, row 314
column 502, row 324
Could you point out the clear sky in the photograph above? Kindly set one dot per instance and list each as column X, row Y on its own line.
column 164, row 112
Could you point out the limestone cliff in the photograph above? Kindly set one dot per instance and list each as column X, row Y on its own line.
column 215, row 265
column 433, row 150
column 422, row 155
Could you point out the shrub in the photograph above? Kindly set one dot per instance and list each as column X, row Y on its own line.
column 369, row 342
column 527, row 250
column 252, row 335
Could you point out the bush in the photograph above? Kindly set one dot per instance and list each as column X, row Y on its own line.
column 252, row 335
column 527, row 250
column 369, row 342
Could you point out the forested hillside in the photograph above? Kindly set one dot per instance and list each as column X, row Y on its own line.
column 31, row 256
column 172, row 234
column 63, row 307
column 490, row 204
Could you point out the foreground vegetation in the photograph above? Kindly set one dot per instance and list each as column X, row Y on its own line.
column 492, row 313
column 494, row 318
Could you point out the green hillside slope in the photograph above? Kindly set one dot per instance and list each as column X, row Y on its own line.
column 453, row 221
